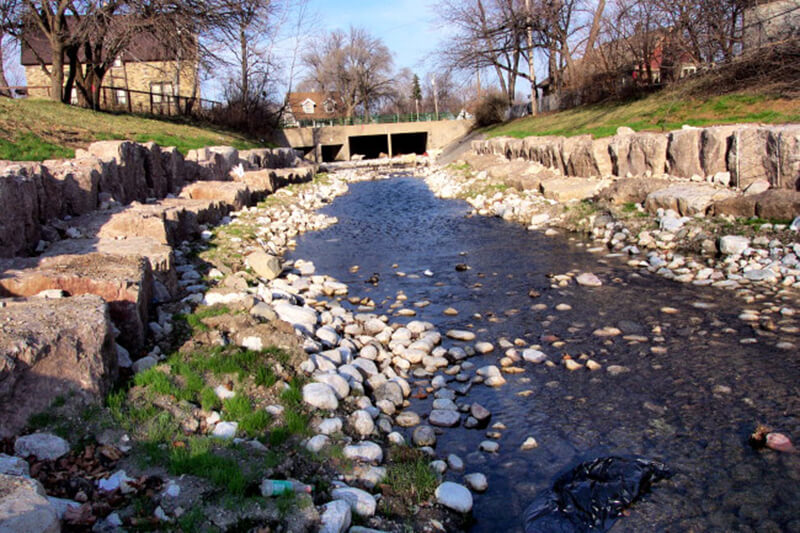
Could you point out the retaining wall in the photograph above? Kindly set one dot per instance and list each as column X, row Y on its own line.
column 33, row 194
column 749, row 153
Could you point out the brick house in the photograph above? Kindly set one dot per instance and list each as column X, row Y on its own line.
column 146, row 77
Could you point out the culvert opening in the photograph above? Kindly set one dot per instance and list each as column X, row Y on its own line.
column 410, row 143
column 370, row 146
column 331, row 152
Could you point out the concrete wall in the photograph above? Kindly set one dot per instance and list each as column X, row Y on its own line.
column 440, row 134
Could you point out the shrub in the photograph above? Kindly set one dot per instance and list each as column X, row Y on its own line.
column 491, row 110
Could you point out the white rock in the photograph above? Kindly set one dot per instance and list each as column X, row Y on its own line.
column 336, row 382
column 145, row 363
column 454, row 496
column 25, row 508
column 529, row 444
column 362, row 422
column 223, row 392
column 225, row 430
column 329, row 426
column 321, row 396
column 444, row 418
column 361, row 502
column 13, row 466
column 534, row 356
column 366, row 451
column 461, row 335
column 336, row 518
column 587, row 279
column 316, row 443
column 484, row 347
column 117, row 480
column 476, row 482
column 44, row 446
column 733, row 244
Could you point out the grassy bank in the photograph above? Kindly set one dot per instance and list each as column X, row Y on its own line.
column 35, row 130
column 665, row 111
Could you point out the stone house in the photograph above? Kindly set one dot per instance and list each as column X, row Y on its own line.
column 311, row 108
column 146, row 77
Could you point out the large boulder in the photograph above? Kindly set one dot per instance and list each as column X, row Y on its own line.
column 778, row 204
column 788, row 155
column 715, row 143
column 546, row 151
column 569, row 189
column 24, row 507
column 235, row 194
column 52, row 348
column 125, row 169
column 631, row 190
column 20, row 228
column 751, row 156
column 683, row 153
column 124, row 281
column 638, row 154
column 586, row 157
column 686, row 199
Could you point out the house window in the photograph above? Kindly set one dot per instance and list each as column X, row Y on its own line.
column 688, row 71
column 73, row 96
column 117, row 62
column 329, row 106
column 121, row 96
column 160, row 90
column 308, row 107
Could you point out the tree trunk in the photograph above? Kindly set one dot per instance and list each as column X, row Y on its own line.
column 531, row 71
column 3, row 81
column 57, row 71
column 598, row 17
column 243, row 44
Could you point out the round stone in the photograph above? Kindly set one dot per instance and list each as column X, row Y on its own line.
column 454, row 496
column 476, row 482
column 424, row 436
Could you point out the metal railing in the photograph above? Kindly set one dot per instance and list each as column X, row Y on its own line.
column 133, row 101
column 373, row 119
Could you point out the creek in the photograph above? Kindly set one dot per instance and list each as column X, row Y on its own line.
column 691, row 403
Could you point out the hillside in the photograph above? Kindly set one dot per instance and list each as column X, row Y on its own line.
column 664, row 111
column 34, row 130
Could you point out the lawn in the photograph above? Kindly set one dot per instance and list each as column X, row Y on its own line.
column 35, row 130
column 659, row 112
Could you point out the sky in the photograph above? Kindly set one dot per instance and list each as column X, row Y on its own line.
column 408, row 27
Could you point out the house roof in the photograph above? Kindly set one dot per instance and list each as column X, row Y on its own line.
column 296, row 101
column 144, row 47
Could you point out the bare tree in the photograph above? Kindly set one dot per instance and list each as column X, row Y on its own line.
column 10, row 17
column 355, row 67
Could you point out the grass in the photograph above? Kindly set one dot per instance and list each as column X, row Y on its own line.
column 196, row 457
column 411, row 478
column 195, row 320
column 665, row 111
column 35, row 130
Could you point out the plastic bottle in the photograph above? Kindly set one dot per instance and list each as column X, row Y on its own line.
column 274, row 487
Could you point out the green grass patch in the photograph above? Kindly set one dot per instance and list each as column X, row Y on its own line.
column 195, row 320
column 196, row 457
column 28, row 146
column 50, row 130
column 410, row 476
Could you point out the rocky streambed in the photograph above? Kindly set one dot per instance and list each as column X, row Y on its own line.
column 425, row 366
column 569, row 354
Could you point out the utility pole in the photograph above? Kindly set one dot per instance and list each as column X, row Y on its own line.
column 435, row 96
column 531, row 71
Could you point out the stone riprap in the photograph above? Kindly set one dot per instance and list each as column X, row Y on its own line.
column 747, row 152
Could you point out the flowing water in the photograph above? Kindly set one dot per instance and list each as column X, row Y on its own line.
column 692, row 407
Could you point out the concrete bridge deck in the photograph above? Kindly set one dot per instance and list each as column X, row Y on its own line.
column 340, row 143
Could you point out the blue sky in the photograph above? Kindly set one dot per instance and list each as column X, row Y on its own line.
column 408, row 27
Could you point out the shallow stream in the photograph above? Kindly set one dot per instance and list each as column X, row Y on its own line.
column 692, row 407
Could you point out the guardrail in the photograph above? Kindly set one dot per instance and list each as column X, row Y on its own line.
column 373, row 119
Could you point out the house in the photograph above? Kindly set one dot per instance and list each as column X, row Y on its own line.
column 311, row 108
column 146, row 77
column 769, row 22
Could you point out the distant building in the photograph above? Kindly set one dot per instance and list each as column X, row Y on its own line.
column 770, row 21
column 145, row 77
column 311, row 108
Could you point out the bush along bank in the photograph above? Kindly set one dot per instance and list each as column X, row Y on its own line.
column 673, row 227
column 259, row 371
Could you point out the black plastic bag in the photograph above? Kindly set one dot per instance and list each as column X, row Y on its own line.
column 591, row 496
